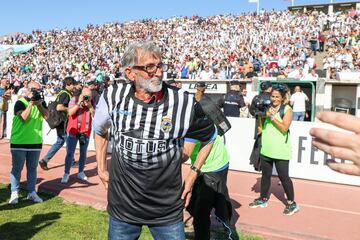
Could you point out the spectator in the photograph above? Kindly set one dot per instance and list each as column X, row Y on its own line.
column 206, row 74
column 298, row 102
column 5, row 96
column 312, row 76
column 23, row 90
column 322, row 40
column 251, row 73
column 258, row 40
column 49, row 91
column 244, row 111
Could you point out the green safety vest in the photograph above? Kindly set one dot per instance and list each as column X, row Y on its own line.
column 274, row 143
column 217, row 158
column 30, row 131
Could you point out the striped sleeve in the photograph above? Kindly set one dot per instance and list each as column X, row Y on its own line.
column 102, row 118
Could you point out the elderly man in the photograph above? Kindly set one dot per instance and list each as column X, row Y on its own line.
column 149, row 120
column 26, row 140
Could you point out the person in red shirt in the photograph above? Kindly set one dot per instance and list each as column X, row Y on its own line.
column 81, row 112
column 321, row 42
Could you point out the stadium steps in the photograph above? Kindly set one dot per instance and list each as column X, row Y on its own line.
column 319, row 59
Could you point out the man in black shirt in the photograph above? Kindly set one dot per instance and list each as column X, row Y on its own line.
column 149, row 121
column 63, row 100
column 233, row 100
column 251, row 73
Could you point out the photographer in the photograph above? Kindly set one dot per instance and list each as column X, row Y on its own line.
column 5, row 96
column 63, row 100
column 276, row 149
column 26, row 140
column 258, row 108
column 81, row 112
column 261, row 102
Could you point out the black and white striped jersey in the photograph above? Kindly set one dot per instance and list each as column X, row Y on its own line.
column 145, row 173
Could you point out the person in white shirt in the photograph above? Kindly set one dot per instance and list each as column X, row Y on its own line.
column 49, row 91
column 313, row 76
column 310, row 61
column 206, row 74
column 297, row 101
column 23, row 91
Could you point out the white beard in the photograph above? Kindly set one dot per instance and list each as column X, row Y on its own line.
column 151, row 85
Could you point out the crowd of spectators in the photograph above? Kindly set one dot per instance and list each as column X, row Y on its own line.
column 278, row 43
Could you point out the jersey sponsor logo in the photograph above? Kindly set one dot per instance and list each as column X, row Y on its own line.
column 141, row 146
column 122, row 112
column 166, row 124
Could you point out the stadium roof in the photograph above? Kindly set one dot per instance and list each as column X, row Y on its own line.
column 327, row 4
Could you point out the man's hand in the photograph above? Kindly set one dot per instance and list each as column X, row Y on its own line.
column 340, row 145
column 104, row 177
column 187, row 187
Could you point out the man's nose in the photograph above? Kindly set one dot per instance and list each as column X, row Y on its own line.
column 159, row 72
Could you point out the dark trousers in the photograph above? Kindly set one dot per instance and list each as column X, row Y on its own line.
column 210, row 191
column 282, row 168
column 313, row 47
column 321, row 46
column 4, row 124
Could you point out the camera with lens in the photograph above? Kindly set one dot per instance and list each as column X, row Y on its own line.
column 37, row 94
column 86, row 98
column 261, row 104
column 82, row 138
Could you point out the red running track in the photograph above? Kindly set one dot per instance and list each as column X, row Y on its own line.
column 327, row 211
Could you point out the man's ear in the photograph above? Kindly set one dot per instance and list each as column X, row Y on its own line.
column 130, row 74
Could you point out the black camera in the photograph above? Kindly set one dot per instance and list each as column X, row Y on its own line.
column 82, row 138
column 86, row 98
column 261, row 104
column 37, row 94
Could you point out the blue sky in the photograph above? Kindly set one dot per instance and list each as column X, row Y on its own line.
column 24, row 16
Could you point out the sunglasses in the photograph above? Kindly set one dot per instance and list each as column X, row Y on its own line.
column 279, row 86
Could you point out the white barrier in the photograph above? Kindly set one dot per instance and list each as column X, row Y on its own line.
column 306, row 163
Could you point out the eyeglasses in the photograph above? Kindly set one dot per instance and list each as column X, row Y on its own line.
column 152, row 68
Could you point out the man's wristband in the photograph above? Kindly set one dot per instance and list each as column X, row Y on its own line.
column 195, row 169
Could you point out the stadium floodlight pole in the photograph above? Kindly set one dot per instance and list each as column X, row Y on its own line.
column 292, row 3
